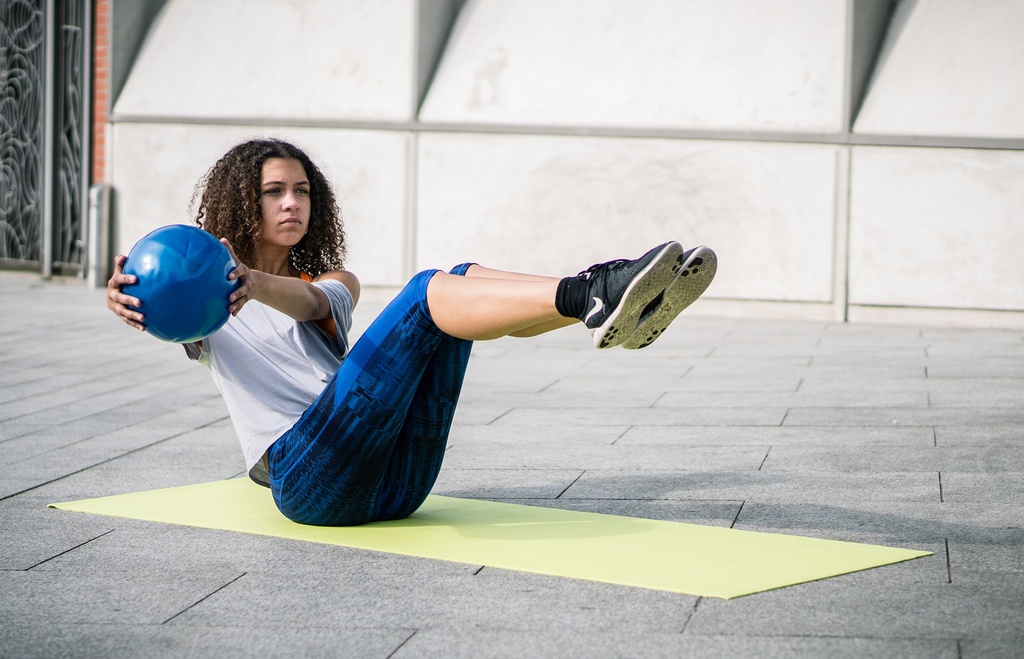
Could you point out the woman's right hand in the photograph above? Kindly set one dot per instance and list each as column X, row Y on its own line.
column 118, row 302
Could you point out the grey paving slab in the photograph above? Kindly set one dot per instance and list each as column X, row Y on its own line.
column 471, row 599
column 903, row 416
column 1008, row 394
column 803, row 398
column 864, row 436
column 755, row 485
column 606, row 399
column 175, row 640
column 996, row 486
column 646, row 416
column 938, row 612
column 898, row 435
column 531, row 455
column 501, row 643
column 885, row 458
column 973, row 366
column 554, row 435
column 1010, row 434
column 156, row 595
column 497, row 483
column 993, row 647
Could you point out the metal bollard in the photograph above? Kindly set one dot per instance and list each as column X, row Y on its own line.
column 98, row 258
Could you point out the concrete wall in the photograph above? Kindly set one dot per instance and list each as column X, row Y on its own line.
column 839, row 155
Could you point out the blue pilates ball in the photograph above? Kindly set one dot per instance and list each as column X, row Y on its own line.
column 182, row 283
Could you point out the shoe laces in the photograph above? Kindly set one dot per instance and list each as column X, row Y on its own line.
column 602, row 267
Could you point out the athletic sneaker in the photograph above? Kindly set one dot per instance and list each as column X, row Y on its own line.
column 696, row 268
column 621, row 291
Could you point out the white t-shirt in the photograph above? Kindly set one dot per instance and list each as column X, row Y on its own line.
column 270, row 368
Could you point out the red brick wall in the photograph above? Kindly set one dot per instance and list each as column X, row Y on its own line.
column 100, row 87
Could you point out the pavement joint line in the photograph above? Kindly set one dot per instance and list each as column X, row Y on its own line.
column 571, row 484
column 402, row 644
column 499, row 417
column 206, row 597
column 691, row 614
column 949, row 565
column 549, row 385
column 738, row 512
column 66, row 551
column 941, row 497
column 621, row 435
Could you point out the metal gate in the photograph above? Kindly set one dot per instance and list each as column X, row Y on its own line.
column 44, row 131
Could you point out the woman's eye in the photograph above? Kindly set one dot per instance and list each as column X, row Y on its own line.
column 302, row 191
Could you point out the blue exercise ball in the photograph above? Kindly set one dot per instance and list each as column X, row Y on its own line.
column 182, row 283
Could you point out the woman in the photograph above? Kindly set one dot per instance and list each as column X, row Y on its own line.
column 346, row 436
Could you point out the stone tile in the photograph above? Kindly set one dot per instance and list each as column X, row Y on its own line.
column 878, row 416
column 760, row 486
column 773, row 426
column 939, row 612
column 455, row 480
column 994, row 486
column 868, row 436
column 904, row 459
column 554, row 435
column 646, row 416
column 533, row 455
column 176, row 640
column 832, row 399
column 100, row 597
column 1010, row 434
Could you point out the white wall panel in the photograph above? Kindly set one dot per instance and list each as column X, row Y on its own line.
column 554, row 205
column 315, row 59
column 949, row 68
column 937, row 228
column 702, row 64
column 156, row 168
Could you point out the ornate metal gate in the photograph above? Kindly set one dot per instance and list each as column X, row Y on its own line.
column 44, row 111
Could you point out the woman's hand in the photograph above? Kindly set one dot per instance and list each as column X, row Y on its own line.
column 245, row 277
column 118, row 302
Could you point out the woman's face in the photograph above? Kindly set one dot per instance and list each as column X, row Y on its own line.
column 284, row 201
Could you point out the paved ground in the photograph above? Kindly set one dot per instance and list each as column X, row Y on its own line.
column 905, row 436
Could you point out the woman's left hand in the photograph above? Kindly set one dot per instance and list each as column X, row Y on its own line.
column 243, row 274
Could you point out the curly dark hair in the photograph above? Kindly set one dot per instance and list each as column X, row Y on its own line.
column 229, row 206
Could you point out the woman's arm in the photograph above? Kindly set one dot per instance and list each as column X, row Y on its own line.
column 290, row 296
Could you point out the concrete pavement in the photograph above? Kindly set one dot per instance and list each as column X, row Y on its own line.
column 897, row 435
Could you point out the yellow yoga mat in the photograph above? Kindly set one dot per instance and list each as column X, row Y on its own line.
column 681, row 558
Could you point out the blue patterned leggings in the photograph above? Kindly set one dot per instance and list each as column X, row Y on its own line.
column 370, row 447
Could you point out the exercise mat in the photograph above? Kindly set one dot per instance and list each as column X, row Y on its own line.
column 682, row 558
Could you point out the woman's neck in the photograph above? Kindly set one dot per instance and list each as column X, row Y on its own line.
column 273, row 262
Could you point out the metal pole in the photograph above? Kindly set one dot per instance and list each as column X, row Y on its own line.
column 98, row 257
column 84, row 204
column 49, row 73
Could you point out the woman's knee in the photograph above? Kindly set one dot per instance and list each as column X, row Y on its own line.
column 461, row 269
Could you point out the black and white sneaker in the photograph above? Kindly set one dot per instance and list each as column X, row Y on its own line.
column 695, row 270
column 621, row 291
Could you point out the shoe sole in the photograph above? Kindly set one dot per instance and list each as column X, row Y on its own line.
column 693, row 277
column 644, row 289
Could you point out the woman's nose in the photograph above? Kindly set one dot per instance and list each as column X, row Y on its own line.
column 291, row 201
